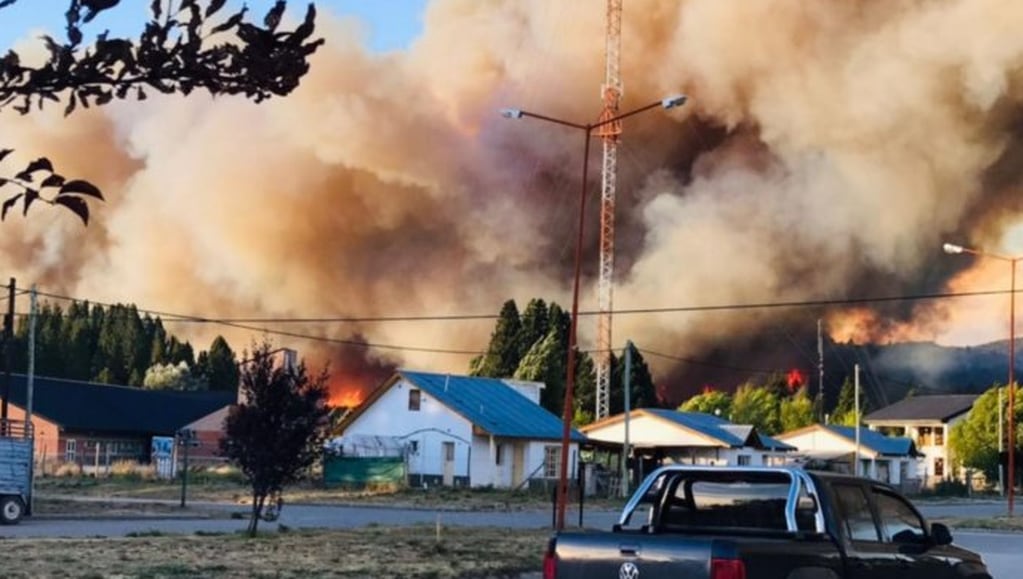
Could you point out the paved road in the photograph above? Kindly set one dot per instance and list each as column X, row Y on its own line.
column 1002, row 551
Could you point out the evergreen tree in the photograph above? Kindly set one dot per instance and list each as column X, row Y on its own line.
column 584, row 389
column 845, row 409
column 219, row 366
column 642, row 391
column 534, row 325
column 502, row 355
column 545, row 362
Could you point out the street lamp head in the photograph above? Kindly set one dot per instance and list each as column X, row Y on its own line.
column 511, row 113
column 674, row 101
column 952, row 248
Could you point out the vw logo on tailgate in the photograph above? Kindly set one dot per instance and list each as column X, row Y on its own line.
column 628, row 570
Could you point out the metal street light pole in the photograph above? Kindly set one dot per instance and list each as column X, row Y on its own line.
column 587, row 129
column 956, row 249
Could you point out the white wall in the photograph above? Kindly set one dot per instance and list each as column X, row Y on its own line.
column 530, row 390
column 431, row 426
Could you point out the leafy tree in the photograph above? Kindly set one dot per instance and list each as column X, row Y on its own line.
column 585, row 388
column 796, row 411
column 276, row 433
column 172, row 377
column 709, row 402
column 974, row 440
column 757, row 406
column 502, row 355
column 219, row 366
column 181, row 49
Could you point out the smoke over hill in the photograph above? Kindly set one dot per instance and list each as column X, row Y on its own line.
column 827, row 150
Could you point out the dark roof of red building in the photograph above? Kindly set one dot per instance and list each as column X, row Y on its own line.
column 937, row 407
column 102, row 408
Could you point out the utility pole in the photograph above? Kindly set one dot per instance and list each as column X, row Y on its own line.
column 1001, row 441
column 627, row 386
column 29, row 393
column 856, row 403
column 820, row 371
column 8, row 335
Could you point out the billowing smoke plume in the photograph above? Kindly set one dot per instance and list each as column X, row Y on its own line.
column 827, row 150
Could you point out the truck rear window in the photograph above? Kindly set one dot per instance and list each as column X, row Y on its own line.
column 751, row 501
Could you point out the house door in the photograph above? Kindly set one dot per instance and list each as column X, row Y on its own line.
column 518, row 464
column 449, row 464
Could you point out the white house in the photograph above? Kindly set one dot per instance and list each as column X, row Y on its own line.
column 928, row 420
column 466, row 431
column 690, row 438
column 884, row 458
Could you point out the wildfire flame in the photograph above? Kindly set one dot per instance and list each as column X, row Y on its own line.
column 795, row 379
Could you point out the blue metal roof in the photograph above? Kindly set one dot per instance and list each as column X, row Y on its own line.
column 492, row 405
column 879, row 443
column 706, row 424
column 774, row 443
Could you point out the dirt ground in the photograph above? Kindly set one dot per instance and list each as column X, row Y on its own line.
column 408, row 552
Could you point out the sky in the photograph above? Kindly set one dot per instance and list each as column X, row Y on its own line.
column 390, row 24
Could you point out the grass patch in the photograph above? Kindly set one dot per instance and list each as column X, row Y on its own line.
column 407, row 552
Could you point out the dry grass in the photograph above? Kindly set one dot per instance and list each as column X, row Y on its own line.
column 408, row 552
column 227, row 489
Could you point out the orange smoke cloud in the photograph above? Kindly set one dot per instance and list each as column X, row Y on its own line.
column 827, row 154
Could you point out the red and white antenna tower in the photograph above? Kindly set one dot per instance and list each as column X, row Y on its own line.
column 611, row 93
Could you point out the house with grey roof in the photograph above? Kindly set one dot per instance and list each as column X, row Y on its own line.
column 928, row 421
column 95, row 425
column 670, row 436
column 463, row 430
column 889, row 459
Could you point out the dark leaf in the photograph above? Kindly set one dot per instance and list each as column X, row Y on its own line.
column 74, row 35
column 231, row 22
column 8, row 204
column 4, row 153
column 6, row 3
column 30, row 196
column 273, row 17
column 156, row 9
column 80, row 187
column 75, row 204
column 52, row 181
column 214, row 7
column 40, row 164
column 97, row 6
column 306, row 29
column 71, row 104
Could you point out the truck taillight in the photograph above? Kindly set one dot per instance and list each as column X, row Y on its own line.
column 727, row 569
column 549, row 564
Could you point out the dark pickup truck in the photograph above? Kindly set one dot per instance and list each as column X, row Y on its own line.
column 763, row 523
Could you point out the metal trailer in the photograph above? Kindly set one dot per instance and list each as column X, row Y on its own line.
column 16, row 444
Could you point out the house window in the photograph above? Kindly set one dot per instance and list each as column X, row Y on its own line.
column 449, row 452
column 415, row 396
column 924, row 436
column 743, row 460
column 939, row 467
column 551, row 461
column 499, row 456
column 71, row 450
column 939, row 436
column 413, row 447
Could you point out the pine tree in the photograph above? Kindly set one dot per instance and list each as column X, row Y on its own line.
column 642, row 391
column 502, row 355
column 220, row 366
column 534, row 325
column 545, row 362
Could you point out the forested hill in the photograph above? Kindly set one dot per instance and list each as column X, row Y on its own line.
column 117, row 345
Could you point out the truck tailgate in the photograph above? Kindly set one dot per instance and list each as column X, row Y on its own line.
column 595, row 555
